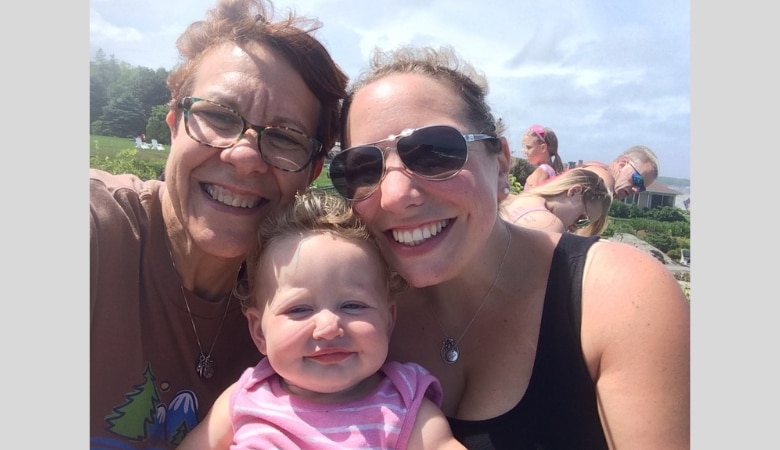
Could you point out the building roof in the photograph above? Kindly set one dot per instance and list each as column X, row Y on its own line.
column 658, row 188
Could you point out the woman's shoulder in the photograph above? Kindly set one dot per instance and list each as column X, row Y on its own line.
column 615, row 269
column 107, row 189
column 117, row 181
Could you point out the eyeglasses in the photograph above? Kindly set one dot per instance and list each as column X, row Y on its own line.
column 218, row 126
column 435, row 152
column 583, row 222
column 637, row 179
column 538, row 130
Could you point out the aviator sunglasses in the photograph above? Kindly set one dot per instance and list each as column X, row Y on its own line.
column 637, row 179
column 435, row 152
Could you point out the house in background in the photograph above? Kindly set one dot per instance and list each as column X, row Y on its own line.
column 655, row 196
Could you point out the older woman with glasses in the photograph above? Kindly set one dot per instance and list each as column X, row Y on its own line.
column 253, row 111
column 539, row 339
column 575, row 201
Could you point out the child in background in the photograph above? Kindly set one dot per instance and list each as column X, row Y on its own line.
column 540, row 145
column 320, row 308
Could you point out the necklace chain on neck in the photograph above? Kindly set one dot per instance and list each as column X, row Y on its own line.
column 450, row 352
column 205, row 364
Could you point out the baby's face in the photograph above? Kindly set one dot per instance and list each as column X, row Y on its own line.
column 322, row 313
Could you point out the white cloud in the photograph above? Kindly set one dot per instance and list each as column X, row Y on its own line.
column 604, row 75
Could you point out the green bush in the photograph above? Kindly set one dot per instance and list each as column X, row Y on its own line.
column 661, row 241
column 666, row 214
column 127, row 161
column 514, row 184
column 96, row 127
column 679, row 229
column 156, row 127
column 619, row 209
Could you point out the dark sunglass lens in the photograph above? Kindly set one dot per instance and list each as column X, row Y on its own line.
column 435, row 152
column 356, row 172
column 639, row 181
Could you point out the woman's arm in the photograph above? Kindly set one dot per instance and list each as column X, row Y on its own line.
column 636, row 341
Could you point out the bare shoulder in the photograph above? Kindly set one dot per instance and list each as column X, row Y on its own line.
column 636, row 342
column 610, row 257
column 611, row 265
column 624, row 287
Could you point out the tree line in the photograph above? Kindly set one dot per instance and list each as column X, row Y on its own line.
column 126, row 101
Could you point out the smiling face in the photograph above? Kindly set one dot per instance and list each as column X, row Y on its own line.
column 324, row 324
column 448, row 221
column 219, row 196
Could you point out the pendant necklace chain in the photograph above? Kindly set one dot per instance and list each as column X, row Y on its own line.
column 450, row 352
column 205, row 364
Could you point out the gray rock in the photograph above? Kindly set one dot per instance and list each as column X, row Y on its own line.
column 675, row 267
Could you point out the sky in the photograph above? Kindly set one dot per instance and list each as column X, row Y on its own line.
column 734, row 331
column 603, row 74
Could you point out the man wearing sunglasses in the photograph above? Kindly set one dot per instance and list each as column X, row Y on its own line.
column 634, row 170
column 630, row 173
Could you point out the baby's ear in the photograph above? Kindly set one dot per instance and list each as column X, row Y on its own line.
column 254, row 320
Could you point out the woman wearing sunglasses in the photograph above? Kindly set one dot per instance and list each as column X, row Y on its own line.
column 539, row 339
column 540, row 145
column 576, row 201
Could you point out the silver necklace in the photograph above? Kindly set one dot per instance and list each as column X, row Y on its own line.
column 450, row 352
column 205, row 364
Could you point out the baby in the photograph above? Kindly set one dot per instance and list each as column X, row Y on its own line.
column 320, row 309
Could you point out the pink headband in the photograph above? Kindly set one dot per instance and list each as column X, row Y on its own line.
column 538, row 130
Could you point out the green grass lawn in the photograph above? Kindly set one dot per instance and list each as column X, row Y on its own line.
column 109, row 146
column 323, row 180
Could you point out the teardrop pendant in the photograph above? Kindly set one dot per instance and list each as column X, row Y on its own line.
column 205, row 366
column 449, row 351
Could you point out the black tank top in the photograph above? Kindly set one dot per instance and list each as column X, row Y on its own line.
column 558, row 410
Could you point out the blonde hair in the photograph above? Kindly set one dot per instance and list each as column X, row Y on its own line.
column 312, row 211
column 593, row 190
column 443, row 65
